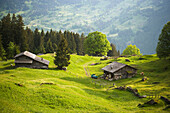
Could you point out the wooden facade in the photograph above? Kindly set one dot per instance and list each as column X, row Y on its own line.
column 27, row 59
column 117, row 71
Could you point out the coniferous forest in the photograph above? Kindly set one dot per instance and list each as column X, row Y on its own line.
column 16, row 38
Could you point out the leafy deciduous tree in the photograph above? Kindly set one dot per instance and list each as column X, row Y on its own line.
column 131, row 50
column 163, row 47
column 96, row 44
column 10, row 50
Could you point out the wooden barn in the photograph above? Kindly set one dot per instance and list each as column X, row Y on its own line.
column 30, row 60
column 115, row 71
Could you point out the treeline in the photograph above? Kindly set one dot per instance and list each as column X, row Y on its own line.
column 14, row 38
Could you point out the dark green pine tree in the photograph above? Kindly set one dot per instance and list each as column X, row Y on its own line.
column 55, row 47
column 59, row 37
column 41, row 46
column 46, row 38
column 112, row 52
column 13, row 28
column 82, row 41
column 53, row 36
column 68, row 39
column 2, row 51
column 37, row 38
column 73, row 43
column 5, row 31
column 65, row 34
column 78, row 44
column 118, row 53
column 49, row 47
column 62, row 57
column 30, row 37
column 20, row 38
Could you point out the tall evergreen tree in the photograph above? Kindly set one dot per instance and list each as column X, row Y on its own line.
column 113, row 51
column 30, row 36
column 2, row 51
column 82, row 45
column 68, row 38
column 49, row 47
column 78, row 44
column 47, row 36
column 42, row 33
column 20, row 39
column 118, row 53
column 41, row 46
column 55, row 47
column 37, row 38
column 13, row 28
column 62, row 57
column 73, row 44
column 6, row 31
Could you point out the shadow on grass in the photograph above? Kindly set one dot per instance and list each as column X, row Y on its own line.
column 53, row 68
column 116, row 95
column 95, row 90
column 87, row 81
column 8, row 63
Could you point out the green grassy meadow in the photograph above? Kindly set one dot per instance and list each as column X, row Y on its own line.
column 74, row 91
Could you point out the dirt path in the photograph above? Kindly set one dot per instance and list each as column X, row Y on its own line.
column 86, row 69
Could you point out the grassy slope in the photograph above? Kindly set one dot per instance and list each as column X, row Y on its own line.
column 74, row 91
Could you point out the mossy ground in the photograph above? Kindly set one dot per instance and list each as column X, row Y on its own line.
column 74, row 91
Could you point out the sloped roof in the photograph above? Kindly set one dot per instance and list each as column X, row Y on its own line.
column 114, row 66
column 33, row 56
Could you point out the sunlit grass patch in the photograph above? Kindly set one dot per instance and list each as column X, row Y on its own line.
column 52, row 90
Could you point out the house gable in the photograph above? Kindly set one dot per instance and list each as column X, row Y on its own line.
column 117, row 71
column 27, row 59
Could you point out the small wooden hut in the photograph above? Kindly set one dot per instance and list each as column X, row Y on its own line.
column 117, row 71
column 30, row 60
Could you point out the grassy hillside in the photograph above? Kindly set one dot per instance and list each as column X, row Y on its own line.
column 74, row 91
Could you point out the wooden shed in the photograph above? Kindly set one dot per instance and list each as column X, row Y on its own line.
column 30, row 60
column 117, row 71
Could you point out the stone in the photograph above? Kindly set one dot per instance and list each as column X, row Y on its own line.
column 144, row 79
column 167, row 101
column 127, row 60
column 151, row 102
column 19, row 84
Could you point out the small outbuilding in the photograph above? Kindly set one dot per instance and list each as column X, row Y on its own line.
column 30, row 60
column 117, row 71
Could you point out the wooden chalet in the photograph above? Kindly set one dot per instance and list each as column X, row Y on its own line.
column 30, row 60
column 115, row 71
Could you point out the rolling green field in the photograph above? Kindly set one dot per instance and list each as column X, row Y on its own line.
column 74, row 91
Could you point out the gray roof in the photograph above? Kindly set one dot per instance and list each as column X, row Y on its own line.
column 114, row 66
column 33, row 56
